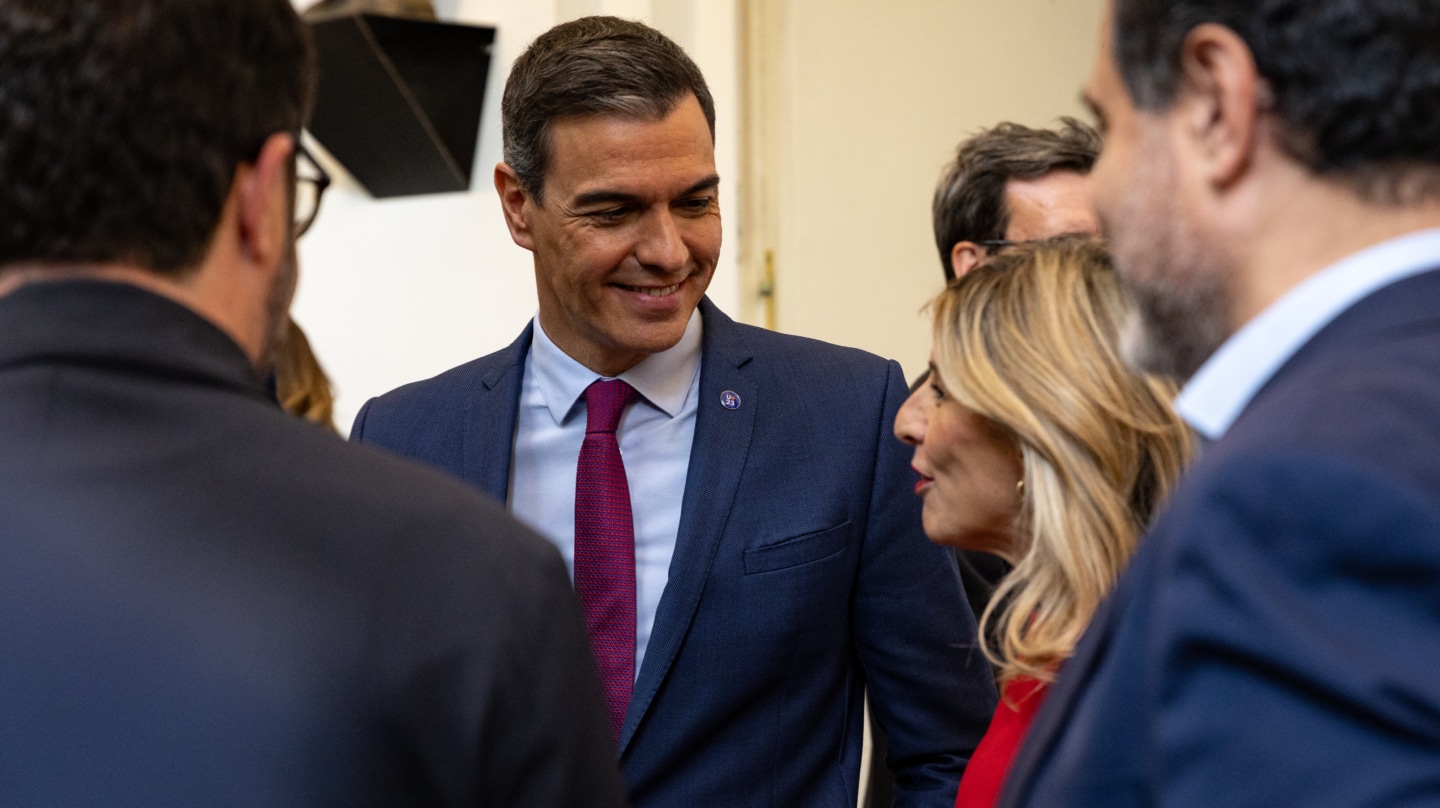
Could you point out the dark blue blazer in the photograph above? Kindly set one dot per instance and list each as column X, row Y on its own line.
column 1277, row 639
column 800, row 578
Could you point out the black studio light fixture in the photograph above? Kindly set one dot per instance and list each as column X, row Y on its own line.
column 400, row 97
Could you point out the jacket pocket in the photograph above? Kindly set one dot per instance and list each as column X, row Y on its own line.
column 799, row 550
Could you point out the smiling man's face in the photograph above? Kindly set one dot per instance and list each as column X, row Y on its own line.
column 628, row 236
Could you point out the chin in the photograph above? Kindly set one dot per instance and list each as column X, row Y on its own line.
column 657, row 337
column 941, row 534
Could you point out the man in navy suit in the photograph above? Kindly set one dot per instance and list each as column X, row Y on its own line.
column 205, row 601
column 779, row 568
column 1271, row 184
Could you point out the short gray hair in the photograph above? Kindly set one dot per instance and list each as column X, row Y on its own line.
column 592, row 66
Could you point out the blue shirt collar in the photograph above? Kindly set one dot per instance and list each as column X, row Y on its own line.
column 663, row 379
column 1226, row 383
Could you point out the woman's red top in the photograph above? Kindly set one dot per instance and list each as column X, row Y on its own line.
column 980, row 787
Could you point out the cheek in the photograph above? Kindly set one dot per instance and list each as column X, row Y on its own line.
column 1120, row 204
column 703, row 238
column 942, row 516
column 955, row 472
column 1102, row 182
column 589, row 258
column 987, row 471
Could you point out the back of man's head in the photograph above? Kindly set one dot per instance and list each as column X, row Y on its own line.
column 1354, row 83
column 122, row 122
column 592, row 66
column 969, row 200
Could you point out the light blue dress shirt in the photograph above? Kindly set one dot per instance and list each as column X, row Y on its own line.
column 655, row 435
column 1224, row 385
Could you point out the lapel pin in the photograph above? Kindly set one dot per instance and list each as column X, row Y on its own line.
column 730, row 400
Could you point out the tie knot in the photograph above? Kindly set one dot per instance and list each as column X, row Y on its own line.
column 605, row 402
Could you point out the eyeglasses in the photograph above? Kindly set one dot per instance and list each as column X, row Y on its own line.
column 310, row 184
column 997, row 244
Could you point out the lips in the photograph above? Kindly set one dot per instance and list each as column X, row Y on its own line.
column 653, row 291
column 923, row 483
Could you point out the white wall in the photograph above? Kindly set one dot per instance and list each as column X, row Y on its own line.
column 396, row 290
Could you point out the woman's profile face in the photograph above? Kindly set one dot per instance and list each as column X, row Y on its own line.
column 969, row 471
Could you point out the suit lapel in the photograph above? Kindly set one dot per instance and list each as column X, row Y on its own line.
column 490, row 417
column 717, row 460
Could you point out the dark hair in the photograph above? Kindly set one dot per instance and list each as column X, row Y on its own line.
column 122, row 122
column 970, row 197
column 592, row 66
column 1356, row 83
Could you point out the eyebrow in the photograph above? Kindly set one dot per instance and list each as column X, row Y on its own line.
column 607, row 197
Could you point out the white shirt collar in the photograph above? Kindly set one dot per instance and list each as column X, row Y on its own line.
column 1226, row 383
column 663, row 379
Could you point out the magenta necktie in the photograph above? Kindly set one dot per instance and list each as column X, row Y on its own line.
column 605, row 545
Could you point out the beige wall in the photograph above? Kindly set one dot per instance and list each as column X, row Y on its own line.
column 856, row 106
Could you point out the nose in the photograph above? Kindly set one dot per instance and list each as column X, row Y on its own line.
column 661, row 246
column 910, row 420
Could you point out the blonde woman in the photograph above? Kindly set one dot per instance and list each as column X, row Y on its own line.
column 1036, row 442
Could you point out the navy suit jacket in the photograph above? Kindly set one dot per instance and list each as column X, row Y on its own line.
column 800, row 577
column 1277, row 639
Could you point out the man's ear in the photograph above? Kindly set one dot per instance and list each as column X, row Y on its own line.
column 964, row 256
column 515, row 201
column 1221, row 99
column 263, row 197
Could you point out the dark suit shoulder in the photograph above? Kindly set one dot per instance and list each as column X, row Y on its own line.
column 1293, row 586
column 482, row 604
column 1371, row 403
column 293, row 597
column 426, row 420
column 775, row 344
column 1268, row 496
column 840, row 381
column 429, row 398
column 419, row 514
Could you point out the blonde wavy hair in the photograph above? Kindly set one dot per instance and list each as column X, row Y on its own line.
column 300, row 383
column 1029, row 340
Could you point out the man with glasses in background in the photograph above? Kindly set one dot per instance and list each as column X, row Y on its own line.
column 1013, row 183
column 1008, row 184
column 202, row 600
